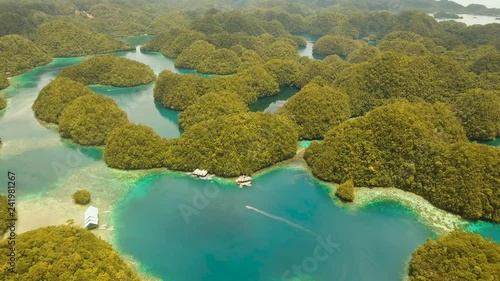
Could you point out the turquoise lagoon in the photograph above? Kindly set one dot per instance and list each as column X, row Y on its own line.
column 181, row 228
column 215, row 237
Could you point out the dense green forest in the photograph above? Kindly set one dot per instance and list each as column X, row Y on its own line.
column 228, row 145
column 316, row 109
column 5, row 214
column 4, row 82
column 456, row 256
column 418, row 147
column 55, row 96
column 64, row 253
column 210, row 106
column 479, row 112
column 235, row 144
column 82, row 197
column 132, row 146
column 178, row 91
column 3, row 103
column 346, row 191
column 110, row 70
column 65, row 37
column 420, row 91
column 18, row 54
column 89, row 119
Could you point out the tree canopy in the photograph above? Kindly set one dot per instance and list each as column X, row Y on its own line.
column 5, row 214
column 110, row 70
column 210, row 106
column 19, row 54
column 4, row 82
column 90, row 118
column 135, row 146
column 192, row 56
column 316, row 110
column 65, row 37
column 456, row 256
column 338, row 45
column 63, row 253
column 285, row 72
column 479, row 112
column 3, row 103
column 55, row 96
column 179, row 91
column 417, row 147
column 82, row 197
column 233, row 145
column 220, row 61
column 430, row 78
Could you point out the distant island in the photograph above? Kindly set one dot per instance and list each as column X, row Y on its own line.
column 446, row 15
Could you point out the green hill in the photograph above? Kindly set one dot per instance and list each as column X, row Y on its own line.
column 456, row 256
column 19, row 54
column 65, row 37
column 63, row 253
column 110, row 70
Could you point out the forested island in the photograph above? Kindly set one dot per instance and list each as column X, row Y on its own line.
column 110, row 70
column 396, row 98
column 446, row 15
column 3, row 103
column 456, row 256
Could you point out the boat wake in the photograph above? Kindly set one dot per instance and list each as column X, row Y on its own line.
column 294, row 225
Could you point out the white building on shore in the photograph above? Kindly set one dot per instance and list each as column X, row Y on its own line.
column 91, row 217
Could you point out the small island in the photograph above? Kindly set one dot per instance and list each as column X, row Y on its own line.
column 73, row 253
column 110, row 70
column 55, row 96
column 66, row 37
column 446, row 15
column 228, row 145
column 18, row 54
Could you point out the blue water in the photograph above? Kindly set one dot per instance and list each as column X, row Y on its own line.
column 179, row 236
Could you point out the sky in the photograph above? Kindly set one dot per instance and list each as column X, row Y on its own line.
column 487, row 3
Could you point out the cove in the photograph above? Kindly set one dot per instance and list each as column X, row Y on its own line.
column 224, row 240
